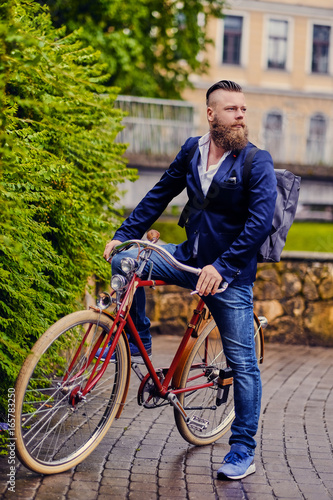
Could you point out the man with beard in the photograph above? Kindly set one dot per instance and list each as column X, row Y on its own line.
column 226, row 222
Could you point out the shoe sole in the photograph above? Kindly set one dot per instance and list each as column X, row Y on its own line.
column 139, row 360
column 250, row 470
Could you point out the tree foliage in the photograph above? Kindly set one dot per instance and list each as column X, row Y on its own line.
column 151, row 47
column 60, row 167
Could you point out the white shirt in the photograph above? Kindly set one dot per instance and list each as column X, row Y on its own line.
column 206, row 176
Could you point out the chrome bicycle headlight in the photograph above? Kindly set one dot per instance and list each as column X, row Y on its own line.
column 118, row 282
column 103, row 300
column 128, row 264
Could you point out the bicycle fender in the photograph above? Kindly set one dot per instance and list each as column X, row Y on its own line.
column 182, row 362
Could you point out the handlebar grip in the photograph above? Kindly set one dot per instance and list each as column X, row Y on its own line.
column 153, row 236
column 224, row 286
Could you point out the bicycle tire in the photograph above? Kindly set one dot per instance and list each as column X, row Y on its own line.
column 207, row 352
column 52, row 434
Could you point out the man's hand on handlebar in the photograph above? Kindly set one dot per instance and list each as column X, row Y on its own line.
column 109, row 247
column 209, row 281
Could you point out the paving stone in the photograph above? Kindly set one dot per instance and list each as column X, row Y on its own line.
column 88, row 485
column 116, row 493
column 169, row 493
column 116, row 473
column 78, row 494
column 201, row 470
column 137, row 495
column 147, row 478
column 112, row 482
column 258, row 488
column 171, row 474
column 142, row 486
column 175, row 483
column 197, row 495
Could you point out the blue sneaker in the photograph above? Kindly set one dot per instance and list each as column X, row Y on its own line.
column 135, row 354
column 237, row 464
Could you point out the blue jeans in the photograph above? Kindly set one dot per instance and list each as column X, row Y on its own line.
column 233, row 314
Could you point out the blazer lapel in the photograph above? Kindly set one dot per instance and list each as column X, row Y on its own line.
column 222, row 172
column 195, row 172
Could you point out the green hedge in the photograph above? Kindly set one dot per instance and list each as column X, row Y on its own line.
column 59, row 173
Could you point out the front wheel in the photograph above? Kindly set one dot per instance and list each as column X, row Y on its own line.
column 208, row 422
column 55, row 428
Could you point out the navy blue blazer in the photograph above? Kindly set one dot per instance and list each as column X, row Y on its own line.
column 232, row 221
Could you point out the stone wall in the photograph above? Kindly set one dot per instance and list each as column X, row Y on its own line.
column 296, row 296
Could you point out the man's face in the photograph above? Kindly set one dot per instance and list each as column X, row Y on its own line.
column 226, row 117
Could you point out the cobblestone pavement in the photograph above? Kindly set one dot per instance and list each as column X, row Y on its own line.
column 143, row 457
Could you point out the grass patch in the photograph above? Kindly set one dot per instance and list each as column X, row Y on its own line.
column 303, row 236
column 310, row 237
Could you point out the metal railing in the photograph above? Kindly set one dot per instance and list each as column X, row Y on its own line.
column 155, row 126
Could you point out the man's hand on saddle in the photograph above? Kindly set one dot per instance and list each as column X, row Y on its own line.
column 109, row 247
column 209, row 281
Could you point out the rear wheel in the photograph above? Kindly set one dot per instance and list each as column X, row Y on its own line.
column 208, row 422
column 55, row 428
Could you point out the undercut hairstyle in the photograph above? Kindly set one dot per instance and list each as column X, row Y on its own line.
column 227, row 85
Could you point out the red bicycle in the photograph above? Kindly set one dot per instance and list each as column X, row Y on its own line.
column 67, row 396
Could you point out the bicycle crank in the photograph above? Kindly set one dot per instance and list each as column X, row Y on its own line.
column 147, row 395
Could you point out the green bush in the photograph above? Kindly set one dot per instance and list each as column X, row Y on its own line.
column 59, row 173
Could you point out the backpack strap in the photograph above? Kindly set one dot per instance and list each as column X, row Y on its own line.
column 248, row 165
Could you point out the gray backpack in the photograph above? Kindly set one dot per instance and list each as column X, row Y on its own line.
column 288, row 186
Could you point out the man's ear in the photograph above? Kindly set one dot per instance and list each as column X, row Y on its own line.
column 210, row 114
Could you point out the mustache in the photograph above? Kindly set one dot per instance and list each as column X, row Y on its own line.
column 217, row 124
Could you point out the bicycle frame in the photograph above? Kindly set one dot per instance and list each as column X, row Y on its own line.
column 123, row 318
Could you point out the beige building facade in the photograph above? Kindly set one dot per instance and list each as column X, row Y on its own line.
column 281, row 52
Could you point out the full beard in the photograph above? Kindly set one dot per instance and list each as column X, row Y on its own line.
column 228, row 138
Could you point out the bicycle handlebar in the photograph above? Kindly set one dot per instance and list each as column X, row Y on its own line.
column 160, row 250
column 153, row 246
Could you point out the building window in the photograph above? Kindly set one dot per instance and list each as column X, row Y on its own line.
column 233, row 26
column 315, row 147
column 277, row 44
column 273, row 137
column 320, row 48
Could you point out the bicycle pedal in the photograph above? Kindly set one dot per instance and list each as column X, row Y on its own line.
column 198, row 423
